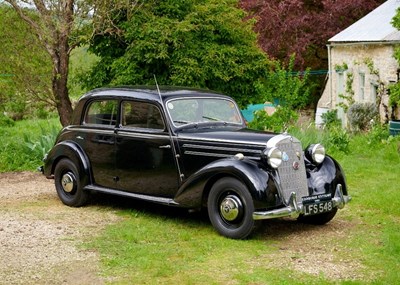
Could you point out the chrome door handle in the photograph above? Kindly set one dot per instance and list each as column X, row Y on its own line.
column 165, row 146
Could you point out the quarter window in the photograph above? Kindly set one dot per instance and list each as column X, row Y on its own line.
column 102, row 112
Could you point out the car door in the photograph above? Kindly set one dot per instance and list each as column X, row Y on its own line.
column 97, row 138
column 144, row 157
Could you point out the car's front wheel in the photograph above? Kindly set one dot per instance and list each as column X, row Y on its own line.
column 230, row 208
column 68, row 184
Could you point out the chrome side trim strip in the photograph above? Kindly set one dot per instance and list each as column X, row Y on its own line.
column 217, row 154
column 182, row 137
column 96, row 131
column 207, row 147
column 141, row 135
column 208, row 154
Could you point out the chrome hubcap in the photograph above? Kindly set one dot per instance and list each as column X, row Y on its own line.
column 67, row 182
column 230, row 207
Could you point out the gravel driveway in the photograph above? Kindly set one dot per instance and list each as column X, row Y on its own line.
column 40, row 238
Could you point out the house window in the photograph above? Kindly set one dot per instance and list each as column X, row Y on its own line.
column 340, row 86
column 362, row 86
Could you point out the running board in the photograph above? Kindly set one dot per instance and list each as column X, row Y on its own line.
column 154, row 199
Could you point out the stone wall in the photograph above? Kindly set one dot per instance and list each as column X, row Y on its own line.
column 372, row 67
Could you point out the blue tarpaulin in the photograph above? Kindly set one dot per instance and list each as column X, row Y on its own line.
column 248, row 113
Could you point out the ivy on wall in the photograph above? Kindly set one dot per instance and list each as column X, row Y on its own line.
column 349, row 99
column 348, row 96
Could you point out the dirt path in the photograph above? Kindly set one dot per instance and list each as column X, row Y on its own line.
column 40, row 237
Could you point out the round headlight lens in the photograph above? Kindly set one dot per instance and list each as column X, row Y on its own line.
column 318, row 153
column 273, row 156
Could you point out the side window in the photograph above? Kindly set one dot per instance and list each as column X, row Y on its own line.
column 102, row 112
column 137, row 114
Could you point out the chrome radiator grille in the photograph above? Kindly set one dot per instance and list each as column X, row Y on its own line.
column 292, row 172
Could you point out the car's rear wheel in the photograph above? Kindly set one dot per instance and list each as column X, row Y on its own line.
column 230, row 208
column 68, row 184
column 319, row 219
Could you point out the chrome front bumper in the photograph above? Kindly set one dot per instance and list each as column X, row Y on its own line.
column 295, row 209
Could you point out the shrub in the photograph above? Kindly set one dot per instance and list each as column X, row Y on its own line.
column 338, row 139
column 40, row 146
column 5, row 121
column 335, row 140
column 286, row 86
column 361, row 115
column 377, row 134
column 277, row 122
column 23, row 145
column 331, row 119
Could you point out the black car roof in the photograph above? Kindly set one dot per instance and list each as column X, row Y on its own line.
column 150, row 92
column 140, row 92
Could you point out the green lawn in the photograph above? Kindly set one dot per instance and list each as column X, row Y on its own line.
column 157, row 245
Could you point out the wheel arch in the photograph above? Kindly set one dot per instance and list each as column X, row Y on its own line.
column 340, row 176
column 73, row 152
column 195, row 190
column 325, row 177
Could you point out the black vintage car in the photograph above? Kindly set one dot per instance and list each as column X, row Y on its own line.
column 191, row 148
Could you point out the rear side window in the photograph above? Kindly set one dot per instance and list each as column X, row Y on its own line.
column 102, row 112
column 136, row 114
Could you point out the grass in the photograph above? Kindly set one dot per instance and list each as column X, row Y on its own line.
column 150, row 248
column 153, row 246
column 373, row 176
column 23, row 145
column 160, row 245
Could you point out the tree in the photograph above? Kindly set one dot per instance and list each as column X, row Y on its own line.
column 289, row 90
column 53, row 25
column 204, row 44
column 25, row 67
column 303, row 27
column 60, row 26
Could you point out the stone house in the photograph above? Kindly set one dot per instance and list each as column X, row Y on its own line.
column 361, row 63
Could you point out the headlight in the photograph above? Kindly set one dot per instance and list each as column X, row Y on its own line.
column 273, row 156
column 316, row 153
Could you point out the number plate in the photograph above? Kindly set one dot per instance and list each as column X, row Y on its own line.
column 318, row 208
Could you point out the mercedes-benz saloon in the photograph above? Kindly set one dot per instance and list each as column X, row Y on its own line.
column 191, row 148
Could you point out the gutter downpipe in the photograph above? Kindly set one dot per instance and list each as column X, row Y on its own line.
column 330, row 76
